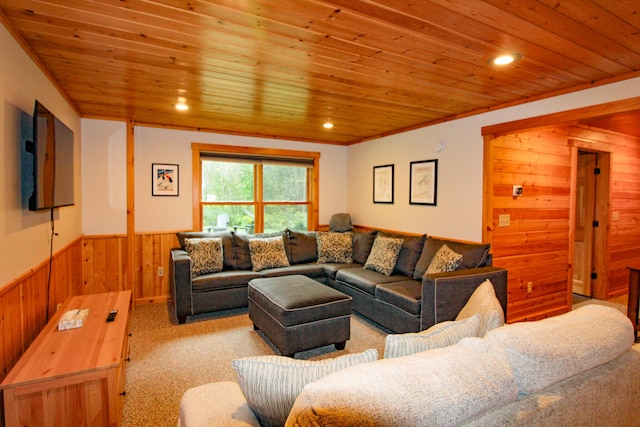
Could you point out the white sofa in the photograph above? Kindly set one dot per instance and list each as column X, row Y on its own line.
column 577, row 369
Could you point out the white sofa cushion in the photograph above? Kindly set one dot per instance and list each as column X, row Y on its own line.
column 442, row 387
column 209, row 404
column 271, row 383
column 484, row 302
column 547, row 351
column 439, row 335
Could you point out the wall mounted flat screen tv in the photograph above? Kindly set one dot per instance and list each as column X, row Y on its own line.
column 52, row 150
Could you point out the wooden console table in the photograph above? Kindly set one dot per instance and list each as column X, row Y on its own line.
column 74, row 376
column 632, row 304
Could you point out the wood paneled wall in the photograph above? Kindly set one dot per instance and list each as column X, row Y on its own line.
column 537, row 245
column 91, row 264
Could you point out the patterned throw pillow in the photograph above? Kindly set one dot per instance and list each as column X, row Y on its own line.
column 444, row 260
column 439, row 335
column 272, row 383
column 335, row 247
column 268, row 253
column 384, row 255
column 206, row 255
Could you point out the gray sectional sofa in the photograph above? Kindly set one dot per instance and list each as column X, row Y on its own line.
column 406, row 300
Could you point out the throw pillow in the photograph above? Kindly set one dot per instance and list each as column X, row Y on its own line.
column 440, row 335
column 302, row 246
column 483, row 301
column 384, row 254
column 206, row 255
column 409, row 253
column 444, row 260
column 272, row 383
column 334, row 247
column 340, row 223
column 362, row 244
column 268, row 253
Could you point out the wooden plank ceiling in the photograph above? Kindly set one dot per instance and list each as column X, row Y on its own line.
column 282, row 68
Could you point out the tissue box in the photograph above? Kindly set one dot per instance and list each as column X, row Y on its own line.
column 73, row 319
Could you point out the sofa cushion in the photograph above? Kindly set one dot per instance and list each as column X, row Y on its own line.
column 484, row 302
column 473, row 254
column 439, row 335
column 311, row 270
column 384, row 254
column 227, row 244
column 362, row 243
column 547, row 351
column 406, row 295
column 441, row 387
column 226, row 279
column 272, row 383
column 268, row 253
column 206, row 405
column 365, row 280
column 444, row 260
column 205, row 254
column 241, row 251
column 334, row 247
column 409, row 253
column 302, row 246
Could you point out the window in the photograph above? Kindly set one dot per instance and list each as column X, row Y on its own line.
column 254, row 190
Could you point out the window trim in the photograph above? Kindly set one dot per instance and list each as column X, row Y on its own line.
column 313, row 173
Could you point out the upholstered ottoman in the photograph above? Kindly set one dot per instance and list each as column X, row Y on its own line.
column 297, row 313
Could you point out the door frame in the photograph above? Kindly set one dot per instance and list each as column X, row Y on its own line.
column 600, row 264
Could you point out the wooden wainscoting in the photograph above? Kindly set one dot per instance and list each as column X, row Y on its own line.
column 105, row 261
column 23, row 311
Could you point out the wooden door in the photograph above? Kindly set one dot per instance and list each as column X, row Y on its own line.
column 585, row 211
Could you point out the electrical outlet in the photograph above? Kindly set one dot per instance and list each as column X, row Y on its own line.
column 615, row 216
column 160, row 271
column 529, row 287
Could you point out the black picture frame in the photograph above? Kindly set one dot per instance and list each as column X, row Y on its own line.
column 165, row 179
column 423, row 182
column 383, row 184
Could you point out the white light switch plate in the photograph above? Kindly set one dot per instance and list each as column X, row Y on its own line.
column 504, row 220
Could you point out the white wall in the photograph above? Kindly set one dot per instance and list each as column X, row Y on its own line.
column 104, row 176
column 458, row 213
column 25, row 235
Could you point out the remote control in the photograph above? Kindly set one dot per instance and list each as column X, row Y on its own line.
column 112, row 315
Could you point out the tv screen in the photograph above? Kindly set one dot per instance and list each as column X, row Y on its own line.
column 53, row 161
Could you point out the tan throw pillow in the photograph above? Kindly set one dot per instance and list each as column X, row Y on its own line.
column 206, row 255
column 272, row 383
column 439, row 335
column 484, row 302
column 444, row 260
column 267, row 253
column 335, row 247
column 384, row 254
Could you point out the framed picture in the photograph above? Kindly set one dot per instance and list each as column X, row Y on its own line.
column 423, row 185
column 383, row 184
column 164, row 179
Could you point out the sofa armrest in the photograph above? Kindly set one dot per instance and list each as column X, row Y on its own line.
column 445, row 294
column 180, row 283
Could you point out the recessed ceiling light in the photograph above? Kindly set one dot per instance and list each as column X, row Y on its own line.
column 182, row 104
column 505, row 59
column 327, row 125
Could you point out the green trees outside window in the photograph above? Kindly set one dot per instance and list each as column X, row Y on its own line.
column 253, row 196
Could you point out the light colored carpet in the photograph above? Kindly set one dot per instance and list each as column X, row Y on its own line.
column 168, row 359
